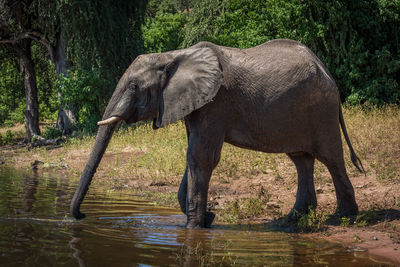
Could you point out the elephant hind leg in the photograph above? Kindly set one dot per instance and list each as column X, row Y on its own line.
column 305, row 197
column 346, row 203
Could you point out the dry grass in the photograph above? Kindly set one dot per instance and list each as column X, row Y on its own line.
column 161, row 154
column 375, row 134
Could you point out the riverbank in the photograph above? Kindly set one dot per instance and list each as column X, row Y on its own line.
column 249, row 186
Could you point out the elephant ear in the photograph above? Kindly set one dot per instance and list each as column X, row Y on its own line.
column 190, row 81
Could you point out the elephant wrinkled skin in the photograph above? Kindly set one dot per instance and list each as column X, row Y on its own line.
column 277, row 97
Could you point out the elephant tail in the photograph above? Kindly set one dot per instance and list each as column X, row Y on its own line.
column 356, row 160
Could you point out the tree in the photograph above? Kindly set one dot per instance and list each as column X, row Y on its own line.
column 105, row 36
column 20, row 25
column 358, row 40
column 163, row 26
column 14, row 28
column 11, row 86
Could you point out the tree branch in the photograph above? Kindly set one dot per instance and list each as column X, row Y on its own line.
column 34, row 35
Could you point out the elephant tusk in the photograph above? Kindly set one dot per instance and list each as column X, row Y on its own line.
column 109, row 121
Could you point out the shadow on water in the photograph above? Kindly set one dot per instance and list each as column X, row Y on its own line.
column 122, row 229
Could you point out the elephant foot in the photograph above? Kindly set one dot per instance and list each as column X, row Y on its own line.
column 346, row 207
column 208, row 220
column 346, row 212
column 195, row 224
column 77, row 214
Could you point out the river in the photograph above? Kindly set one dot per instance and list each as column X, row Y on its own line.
column 123, row 229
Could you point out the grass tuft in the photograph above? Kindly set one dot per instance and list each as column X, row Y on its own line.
column 314, row 221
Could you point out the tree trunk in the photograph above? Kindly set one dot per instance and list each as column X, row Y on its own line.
column 66, row 118
column 31, row 99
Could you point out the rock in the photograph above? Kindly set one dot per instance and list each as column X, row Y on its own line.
column 319, row 190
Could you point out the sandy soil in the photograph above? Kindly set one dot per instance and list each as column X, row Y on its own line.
column 381, row 237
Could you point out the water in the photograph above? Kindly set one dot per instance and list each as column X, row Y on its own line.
column 122, row 229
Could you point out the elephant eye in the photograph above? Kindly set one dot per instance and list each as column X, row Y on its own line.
column 132, row 86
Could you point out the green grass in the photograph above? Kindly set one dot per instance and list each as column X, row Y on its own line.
column 314, row 221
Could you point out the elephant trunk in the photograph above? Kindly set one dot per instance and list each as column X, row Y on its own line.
column 103, row 137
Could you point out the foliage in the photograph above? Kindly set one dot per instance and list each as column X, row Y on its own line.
column 46, row 82
column 365, row 218
column 51, row 132
column 104, row 35
column 314, row 221
column 164, row 31
column 11, row 86
column 200, row 25
column 7, row 139
column 16, row 115
column 345, row 221
column 87, row 91
column 12, row 98
column 357, row 40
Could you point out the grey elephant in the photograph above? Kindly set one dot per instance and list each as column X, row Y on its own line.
column 277, row 97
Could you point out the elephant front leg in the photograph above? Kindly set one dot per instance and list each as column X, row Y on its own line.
column 202, row 157
column 182, row 198
column 198, row 181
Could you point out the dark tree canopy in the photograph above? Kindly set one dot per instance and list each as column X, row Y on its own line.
column 97, row 40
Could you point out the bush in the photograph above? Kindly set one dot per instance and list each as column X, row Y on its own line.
column 164, row 31
column 9, row 137
column 51, row 133
column 86, row 92
column 314, row 221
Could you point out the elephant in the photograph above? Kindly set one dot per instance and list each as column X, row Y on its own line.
column 277, row 97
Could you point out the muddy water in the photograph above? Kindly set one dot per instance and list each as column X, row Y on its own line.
column 122, row 229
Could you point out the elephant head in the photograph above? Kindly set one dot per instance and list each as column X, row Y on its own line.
column 164, row 87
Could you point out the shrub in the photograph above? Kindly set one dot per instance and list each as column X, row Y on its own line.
column 164, row 31
column 51, row 133
column 314, row 221
column 9, row 137
column 86, row 92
